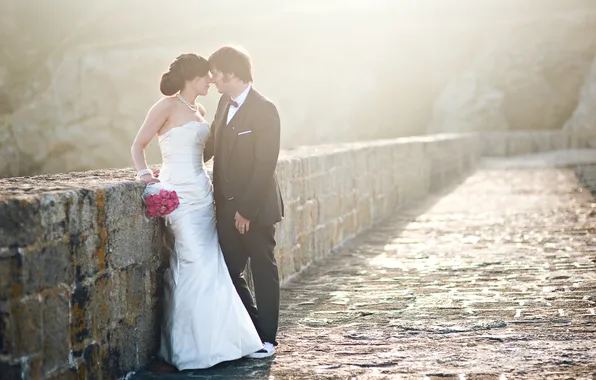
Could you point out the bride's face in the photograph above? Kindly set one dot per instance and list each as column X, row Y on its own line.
column 201, row 84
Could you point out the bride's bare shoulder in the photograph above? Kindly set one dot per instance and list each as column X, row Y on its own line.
column 165, row 102
column 162, row 106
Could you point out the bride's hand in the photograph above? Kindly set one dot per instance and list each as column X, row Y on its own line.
column 148, row 179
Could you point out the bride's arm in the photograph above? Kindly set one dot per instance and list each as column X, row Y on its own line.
column 156, row 117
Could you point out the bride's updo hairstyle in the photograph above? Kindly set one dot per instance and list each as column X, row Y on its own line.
column 185, row 67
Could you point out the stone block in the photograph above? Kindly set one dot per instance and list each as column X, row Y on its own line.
column 520, row 143
column 10, row 370
column 123, row 201
column 82, row 212
column 309, row 216
column 351, row 222
column 300, row 254
column 46, row 267
column 364, row 212
column 494, row 144
column 309, row 188
column 327, row 162
column 137, row 286
column 35, row 368
column 289, row 224
column 25, row 327
column 56, row 340
column 20, row 222
column 118, row 290
column 80, row 321
column 281, row 238
column 322, row 184
column 542, row 141
column 100, row 307
column 84, row 254
column 125, row 354
column 309, row 245
column 95, row 363
column 10, row 273
column 294, row 262
column 329, row 207
column 296, row 167
column 297, row 187
column 285, row 187
column 280, row 257
column 67, row 374
column 6, row 330
column 133, row 241
column 577, row 141
column 53, row 209
column 560, row 140
column 283, row 170
column 91, row 311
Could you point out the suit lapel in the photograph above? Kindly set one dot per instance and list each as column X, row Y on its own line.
column 237, row 122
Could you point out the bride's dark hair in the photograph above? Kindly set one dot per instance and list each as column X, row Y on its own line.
column 185, row 67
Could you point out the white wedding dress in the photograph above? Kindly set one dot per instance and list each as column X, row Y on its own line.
column 205, row 321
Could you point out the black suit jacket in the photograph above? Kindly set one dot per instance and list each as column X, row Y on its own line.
column 245, row 153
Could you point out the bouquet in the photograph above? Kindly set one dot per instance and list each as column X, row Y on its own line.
column 159, row 200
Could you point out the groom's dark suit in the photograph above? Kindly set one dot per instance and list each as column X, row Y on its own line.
column 245, row 152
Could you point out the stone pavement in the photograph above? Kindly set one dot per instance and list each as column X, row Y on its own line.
column 492, row 279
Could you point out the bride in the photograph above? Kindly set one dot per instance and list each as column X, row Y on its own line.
column 205, row 321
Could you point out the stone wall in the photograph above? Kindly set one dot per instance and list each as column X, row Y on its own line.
column 80, row 265
column 516, row 143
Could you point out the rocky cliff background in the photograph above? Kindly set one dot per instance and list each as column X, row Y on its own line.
column 77, row 78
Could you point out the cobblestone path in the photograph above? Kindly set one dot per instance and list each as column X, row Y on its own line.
column 492, row 279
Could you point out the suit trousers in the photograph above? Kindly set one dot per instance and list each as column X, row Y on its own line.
column 257, row 244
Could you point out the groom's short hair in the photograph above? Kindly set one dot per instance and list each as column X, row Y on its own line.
column 232, row 60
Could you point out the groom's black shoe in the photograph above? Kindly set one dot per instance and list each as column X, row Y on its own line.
column 265, row 352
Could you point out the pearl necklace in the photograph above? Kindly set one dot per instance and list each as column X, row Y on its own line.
column 193, row 108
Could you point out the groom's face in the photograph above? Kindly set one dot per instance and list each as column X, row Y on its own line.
column 221, row 81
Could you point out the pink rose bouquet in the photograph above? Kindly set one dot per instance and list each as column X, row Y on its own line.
column 159, row 200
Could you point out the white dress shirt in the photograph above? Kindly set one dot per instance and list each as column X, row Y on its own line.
column 240, row 100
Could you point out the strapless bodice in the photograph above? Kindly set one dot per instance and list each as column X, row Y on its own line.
column 182, row 152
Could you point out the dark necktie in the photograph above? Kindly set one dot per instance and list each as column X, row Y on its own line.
column 232, row 103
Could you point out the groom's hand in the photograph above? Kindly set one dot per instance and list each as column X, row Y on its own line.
column 242, row 224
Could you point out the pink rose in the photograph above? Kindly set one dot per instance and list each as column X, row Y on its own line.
column 150, row 211
column 162, row 203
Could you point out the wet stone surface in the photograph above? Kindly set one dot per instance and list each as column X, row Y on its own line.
column 492, row 279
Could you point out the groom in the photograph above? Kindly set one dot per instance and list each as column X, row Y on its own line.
column 244, row 141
